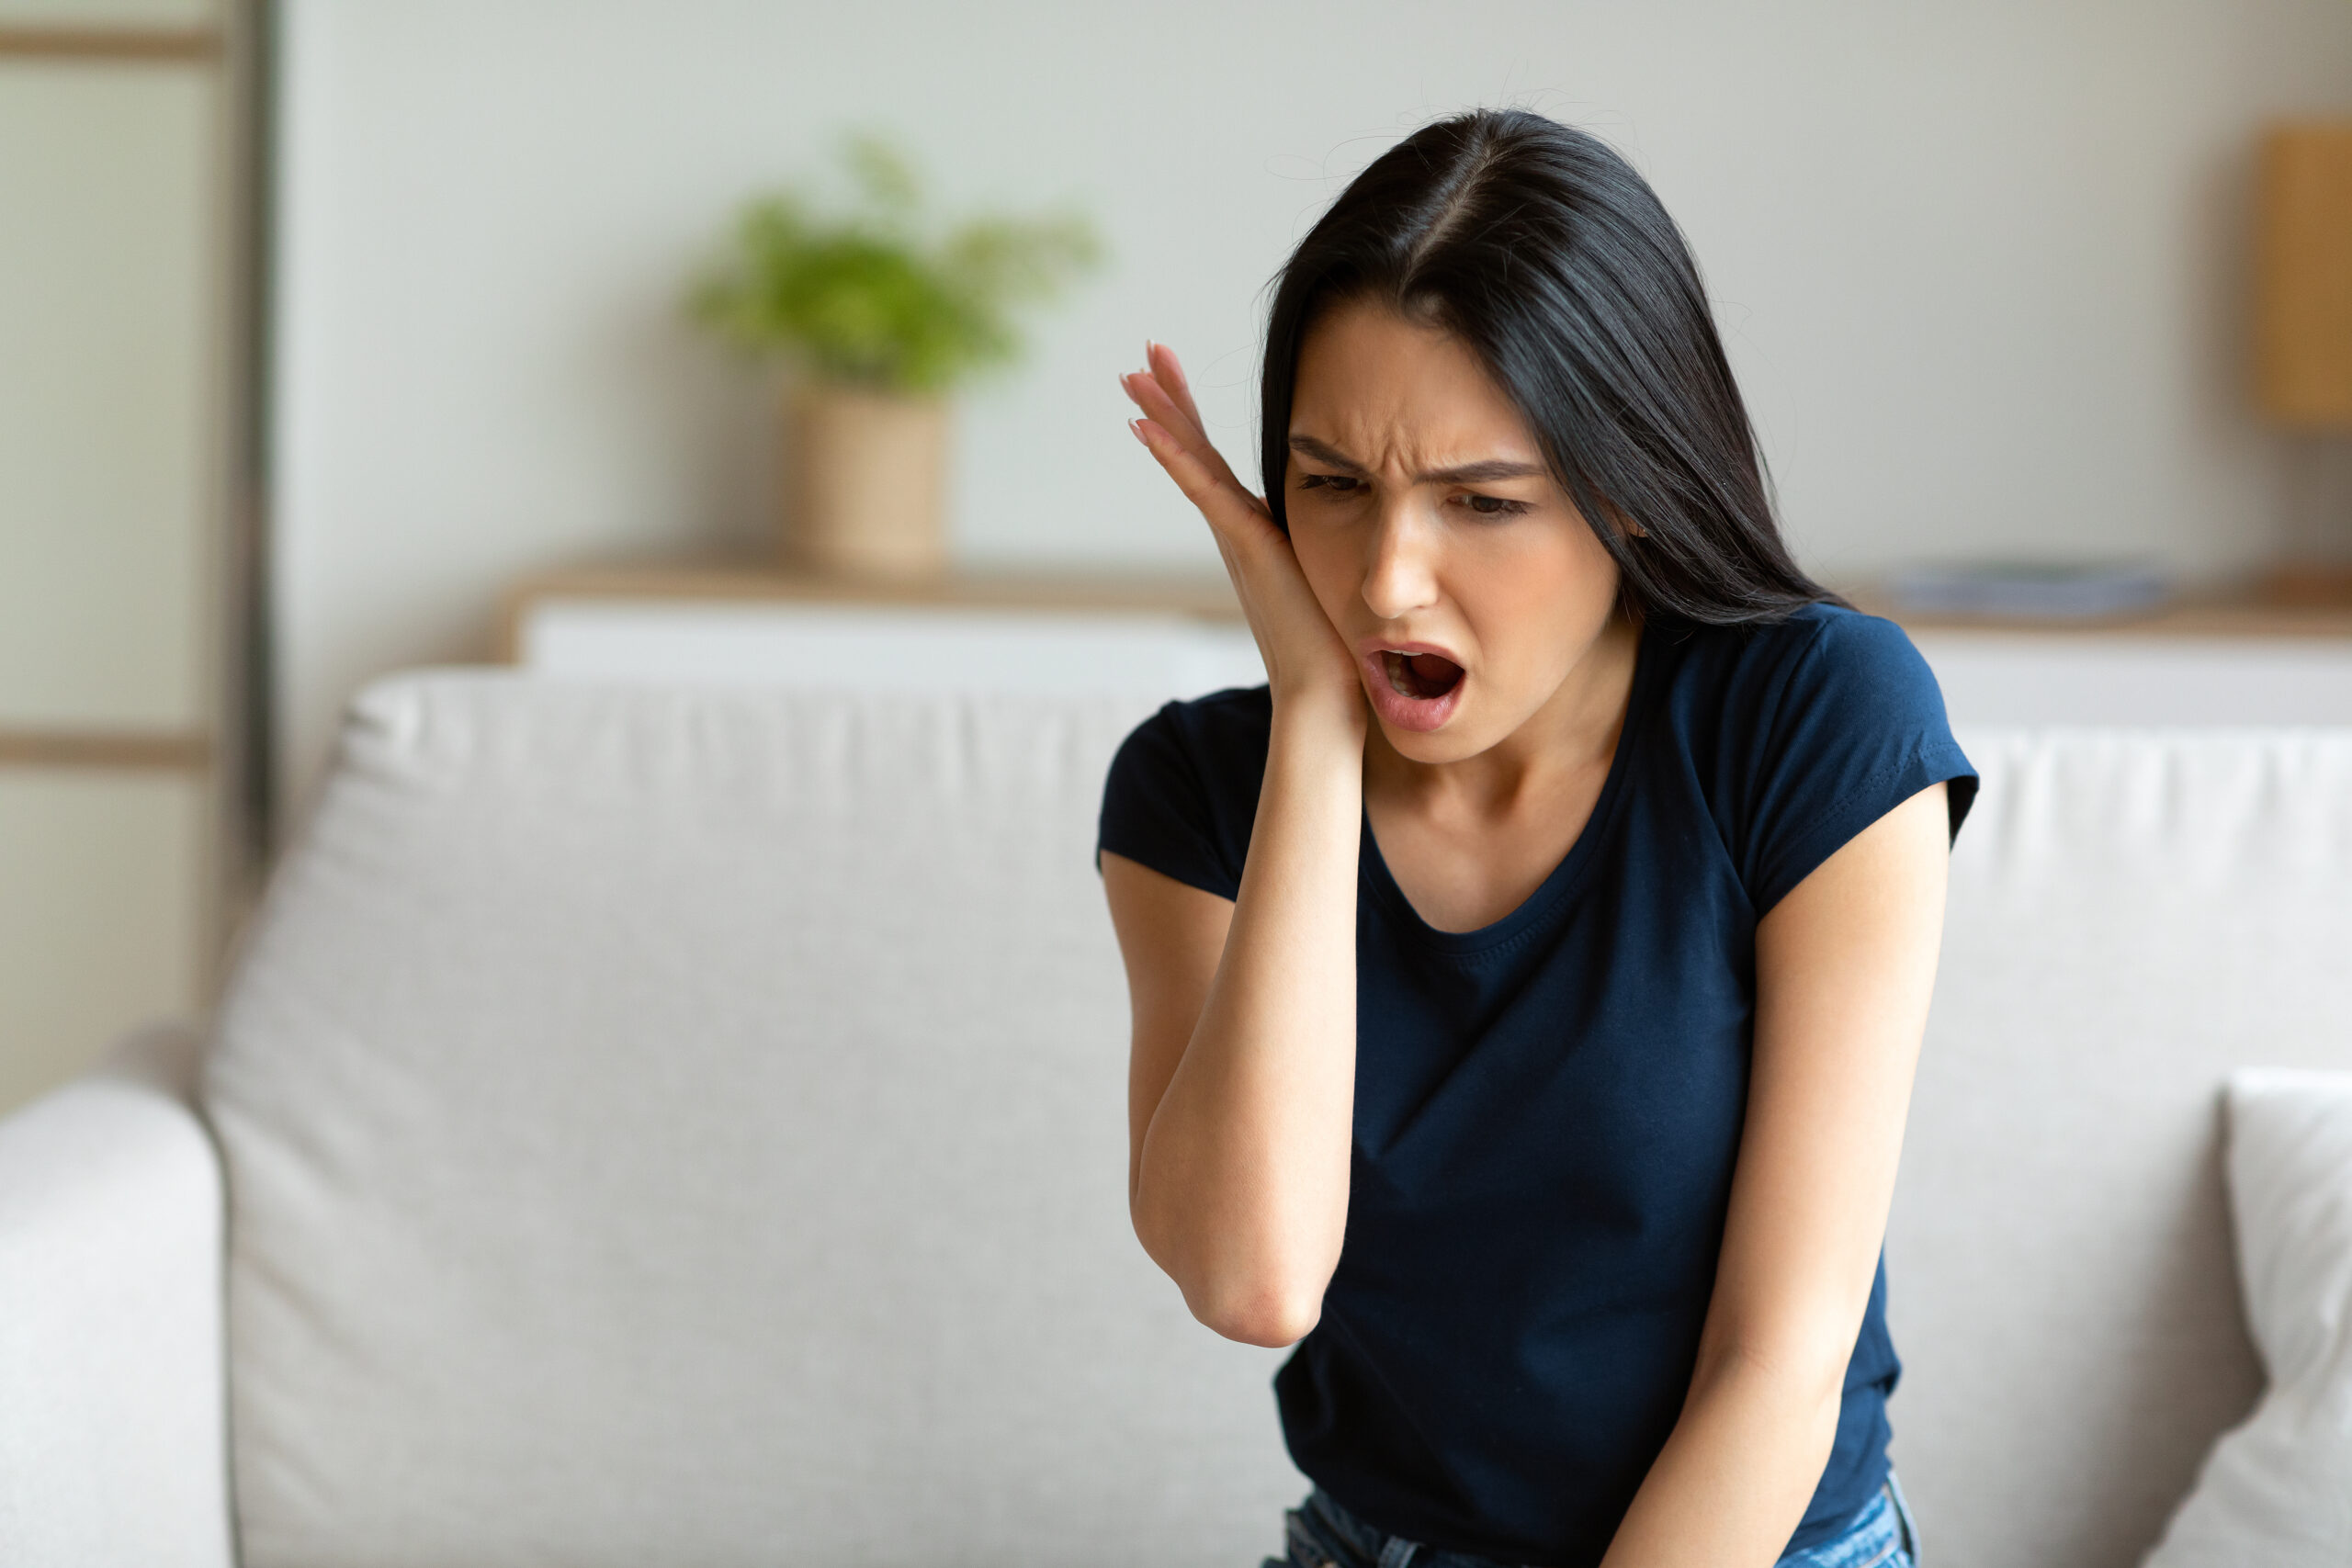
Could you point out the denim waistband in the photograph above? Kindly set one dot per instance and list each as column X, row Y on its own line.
column 1376, row 1547
column 1321, row 1523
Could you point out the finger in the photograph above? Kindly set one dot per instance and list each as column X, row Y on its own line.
column 1227, row 507
column 1173, row 379
column 1202, row 485
column 1162, row 409
column 1179, row 415
column 1144, row 390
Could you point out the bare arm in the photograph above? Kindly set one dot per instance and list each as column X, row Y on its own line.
column 1242, row 1074
column 1844, row 966
column 1242, row 1070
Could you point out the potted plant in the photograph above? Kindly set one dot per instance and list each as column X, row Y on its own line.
column 882, row 319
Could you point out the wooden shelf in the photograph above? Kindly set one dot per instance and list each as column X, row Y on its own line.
column 1205, row 598
column 2248, row 614
column 2260, row 612
column 136, row 750
column 115, row 45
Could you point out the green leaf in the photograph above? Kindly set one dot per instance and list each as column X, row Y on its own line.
column 862, row 296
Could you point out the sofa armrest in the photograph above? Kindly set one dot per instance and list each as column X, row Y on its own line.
column 112, row 1426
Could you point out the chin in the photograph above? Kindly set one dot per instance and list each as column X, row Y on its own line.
column 1457, row 738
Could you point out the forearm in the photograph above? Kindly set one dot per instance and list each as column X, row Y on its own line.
column 1733, row 1480
column 1242, row 1191
column 1844, row 964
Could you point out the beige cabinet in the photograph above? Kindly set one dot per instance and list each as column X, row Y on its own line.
column 117, row 131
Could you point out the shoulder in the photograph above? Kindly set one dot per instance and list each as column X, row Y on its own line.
column 1238, row 716
column 1847, row 645
column 1830, row 635
column 1213, row 737
column 1182, row 789
column 1804, row 731
column 1824, row 662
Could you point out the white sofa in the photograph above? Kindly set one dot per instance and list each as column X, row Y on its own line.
column 651, row 1126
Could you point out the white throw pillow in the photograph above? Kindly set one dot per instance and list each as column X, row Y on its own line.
column 2277, row 1491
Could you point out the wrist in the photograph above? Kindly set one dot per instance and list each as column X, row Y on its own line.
column 1321, row 722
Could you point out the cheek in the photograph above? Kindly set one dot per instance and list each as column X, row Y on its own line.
column 1324, row 559
column 1545, row 596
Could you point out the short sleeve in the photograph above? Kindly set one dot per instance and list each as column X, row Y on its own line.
column 1159, row 810
column 1854, row 728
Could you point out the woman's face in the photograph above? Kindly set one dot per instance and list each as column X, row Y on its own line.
column 1459, row 574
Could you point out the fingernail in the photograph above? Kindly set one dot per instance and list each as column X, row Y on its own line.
column 1134, row 428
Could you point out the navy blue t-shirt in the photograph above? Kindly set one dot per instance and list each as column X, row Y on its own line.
column 1547, row 1109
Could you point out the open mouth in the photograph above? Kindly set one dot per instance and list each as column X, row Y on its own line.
column 1420, row 676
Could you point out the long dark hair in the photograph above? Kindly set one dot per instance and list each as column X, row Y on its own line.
column 1544, row 252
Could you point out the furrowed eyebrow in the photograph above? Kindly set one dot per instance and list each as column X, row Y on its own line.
column 1493, row 468
column 1484, row 472
column 1307, row 446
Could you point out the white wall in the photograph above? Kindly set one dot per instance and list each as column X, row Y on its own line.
column 1981, row 265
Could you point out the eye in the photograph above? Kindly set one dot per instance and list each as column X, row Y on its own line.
column 1494, row 505
column 1338, row 484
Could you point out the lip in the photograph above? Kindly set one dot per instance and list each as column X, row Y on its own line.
column 1420, row 715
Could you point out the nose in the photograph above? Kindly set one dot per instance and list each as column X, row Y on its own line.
column 1400, row 573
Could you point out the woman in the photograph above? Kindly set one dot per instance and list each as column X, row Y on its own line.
column 1528, row 979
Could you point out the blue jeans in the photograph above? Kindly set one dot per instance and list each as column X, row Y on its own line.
column 1324, row 1535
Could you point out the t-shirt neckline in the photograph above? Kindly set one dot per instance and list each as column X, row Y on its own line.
column 1563, row 878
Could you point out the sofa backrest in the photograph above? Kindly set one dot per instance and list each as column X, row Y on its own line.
column 2132, row 915
column 674, row 1125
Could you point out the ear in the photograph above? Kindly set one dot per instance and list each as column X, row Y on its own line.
column 1625, row 524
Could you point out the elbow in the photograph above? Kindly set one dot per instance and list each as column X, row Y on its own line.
column 1250, row 1278
column 1255, row 1301
column 1807, row 1380
column 1269, row 1316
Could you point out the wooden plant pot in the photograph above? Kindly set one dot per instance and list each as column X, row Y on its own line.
column 869, row 496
